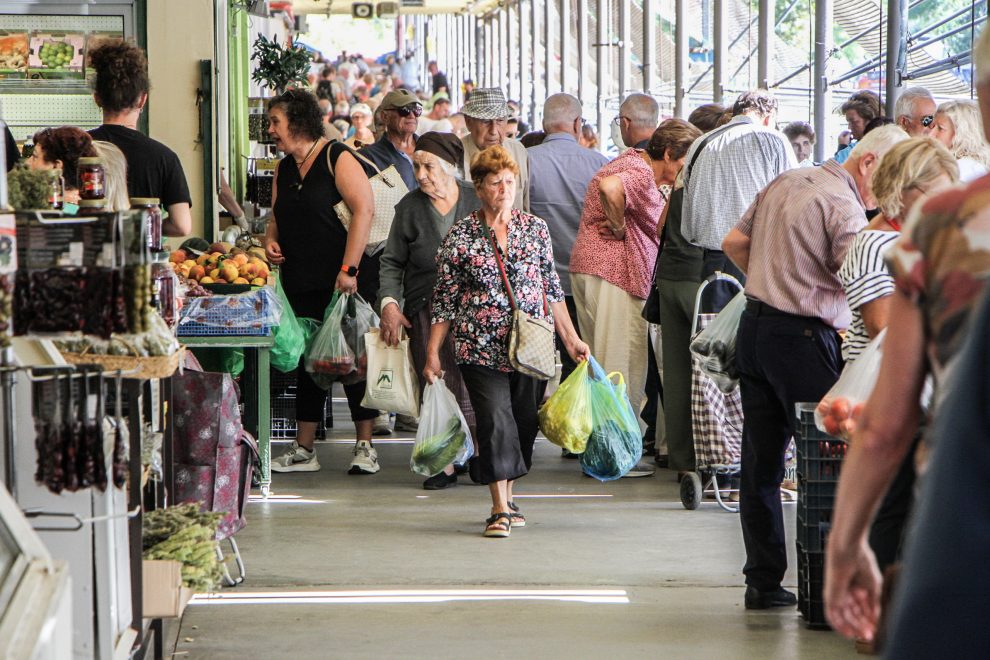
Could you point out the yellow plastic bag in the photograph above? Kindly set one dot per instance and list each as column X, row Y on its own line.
column 566, row 417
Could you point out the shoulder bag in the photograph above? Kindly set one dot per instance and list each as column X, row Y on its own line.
column 531, row 347
column 387, row 188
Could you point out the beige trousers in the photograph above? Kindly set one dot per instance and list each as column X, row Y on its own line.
column 611, row 324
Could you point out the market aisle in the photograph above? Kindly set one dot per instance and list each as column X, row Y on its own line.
column 650, row 578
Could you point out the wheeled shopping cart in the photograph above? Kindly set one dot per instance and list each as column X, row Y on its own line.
column 716, row 418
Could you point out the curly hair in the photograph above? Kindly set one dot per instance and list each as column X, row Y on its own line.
column 121, row 75
column 673, row 137
column 759, row 100
column 798, row 128
column 67, row 144
column 968, row 141
column 912, row 163
column 302, row 112
column 491, row 161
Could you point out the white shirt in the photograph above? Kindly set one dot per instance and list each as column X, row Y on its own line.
column 865, row 278
column 439, row 125
column 970, row 168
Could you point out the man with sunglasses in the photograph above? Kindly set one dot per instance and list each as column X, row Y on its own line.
column 915, row 111
column 400, row 112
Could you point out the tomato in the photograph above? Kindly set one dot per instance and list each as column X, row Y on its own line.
column 857, row 411
column 831, row 426
column 840, row 409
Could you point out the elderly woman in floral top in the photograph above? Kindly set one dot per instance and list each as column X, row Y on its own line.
column 470, row 299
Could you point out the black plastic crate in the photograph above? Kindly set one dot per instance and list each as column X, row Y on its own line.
column 819, row 455
column 283, row 408
column 811, row 583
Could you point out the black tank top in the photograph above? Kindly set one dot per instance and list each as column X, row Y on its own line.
column 312, row 237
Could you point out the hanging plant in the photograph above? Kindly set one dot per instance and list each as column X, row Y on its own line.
column 278, row 66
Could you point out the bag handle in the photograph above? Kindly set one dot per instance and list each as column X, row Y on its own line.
column 378, row 172
column 501, row 269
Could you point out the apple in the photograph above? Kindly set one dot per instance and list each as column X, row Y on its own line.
column 178, row 256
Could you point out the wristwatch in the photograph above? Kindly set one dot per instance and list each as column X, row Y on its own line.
column 350, row 270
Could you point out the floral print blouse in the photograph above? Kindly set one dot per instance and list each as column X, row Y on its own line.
column 471, row 295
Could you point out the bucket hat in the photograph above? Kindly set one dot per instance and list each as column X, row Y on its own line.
column 486, row 103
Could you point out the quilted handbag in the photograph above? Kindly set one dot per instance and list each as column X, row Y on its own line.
column 387, row 188
column 531, row 347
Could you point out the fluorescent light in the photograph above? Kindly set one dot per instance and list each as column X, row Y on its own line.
column 411, row 596
column 555, row 496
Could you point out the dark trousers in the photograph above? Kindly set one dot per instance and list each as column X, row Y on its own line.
column 567, row 364
column 783, row 360
column 654, row 395
column 505, row 406
column 890, row 523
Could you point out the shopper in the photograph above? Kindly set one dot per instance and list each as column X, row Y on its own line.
column 588, row 138
column 317, row 255
column 787, row 348
column 638, row 117
column 121, row 87
column 409, row 266
column 437, row 119
column 957, row 127
column 361, row 134
column 61, row 148
column 613, row 259
column 915, row 111
column 505, row 401
column 400, row 112
column 860, row 109
column 802, row 138
column 115, row 166
column 486, row 116
column 438, row 79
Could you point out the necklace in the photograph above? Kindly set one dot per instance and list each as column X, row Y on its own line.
column 308, row 154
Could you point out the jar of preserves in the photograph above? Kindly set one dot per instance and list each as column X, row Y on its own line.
column 92, row 179
column 92, row 206
column 153, row 210
column 164, row 284
column 56, row 189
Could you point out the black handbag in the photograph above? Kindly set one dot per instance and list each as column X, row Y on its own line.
column 651, row 308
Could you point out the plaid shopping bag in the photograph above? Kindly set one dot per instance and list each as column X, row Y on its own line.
column 716, row 417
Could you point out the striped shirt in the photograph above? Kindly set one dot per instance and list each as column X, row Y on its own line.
column 800, row 227
column 737, row 162
column 865, row 278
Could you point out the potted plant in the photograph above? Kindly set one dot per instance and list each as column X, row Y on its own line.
column 277, row 66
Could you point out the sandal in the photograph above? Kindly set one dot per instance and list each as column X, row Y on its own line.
column 518, row 519
column 497, row 528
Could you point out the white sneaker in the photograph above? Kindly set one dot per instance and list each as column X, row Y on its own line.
column 382, row 425
column 296, row 459
column 365, row 459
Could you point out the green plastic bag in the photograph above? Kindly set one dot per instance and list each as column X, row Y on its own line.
column 290, row 338
column 615, row 445
column 565, row 419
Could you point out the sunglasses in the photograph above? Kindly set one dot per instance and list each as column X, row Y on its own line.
column 413, row 109
column 927, row 120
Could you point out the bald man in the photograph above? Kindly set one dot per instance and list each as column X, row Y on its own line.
column 639, row 116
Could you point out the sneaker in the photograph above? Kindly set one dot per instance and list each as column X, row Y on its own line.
column 641, row 469
column 440, row 481
column 764, row 600
column 382, row 426
column 406, row 423
column 296, row 459
column 365, row 459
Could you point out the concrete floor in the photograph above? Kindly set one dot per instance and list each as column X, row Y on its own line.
column 341, row 567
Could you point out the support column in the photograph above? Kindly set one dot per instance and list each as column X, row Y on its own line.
column 534, row 67
column 548, row 43
column 680, row 57
column 601, row 50
column 764, row 73
column 512, row 80
column 721, row 51
column 649, row 45
column 625, row 45
column 525, row 73
column 897, row 17
column 823, row 97
column 583, row 65
column 566, row 84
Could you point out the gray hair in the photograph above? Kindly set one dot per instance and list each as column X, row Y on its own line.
column 879, row 141
column 968, row 140
column 560, row 111
column 759, row 100
column 642, row 110
column 116, row 175
column 907, row 100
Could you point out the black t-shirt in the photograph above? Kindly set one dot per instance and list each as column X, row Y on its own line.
column 440, row 82
column 11, row 145
column 153, row 170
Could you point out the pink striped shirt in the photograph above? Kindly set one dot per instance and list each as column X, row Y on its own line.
column 800, row 227
column 628, row 264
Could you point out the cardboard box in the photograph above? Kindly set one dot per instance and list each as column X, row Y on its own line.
column 164, row 595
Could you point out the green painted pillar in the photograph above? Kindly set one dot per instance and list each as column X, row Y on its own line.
column 239, row 76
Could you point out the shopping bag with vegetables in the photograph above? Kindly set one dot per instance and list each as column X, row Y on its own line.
column 565, row 419
column 715, row 346
column 290, row 339
column 615, row 444
column 443, row 436
column 359, row 317
column 329, row 357
column 838, row 412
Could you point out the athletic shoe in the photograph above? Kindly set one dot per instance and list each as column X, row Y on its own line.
column 406, row 423
column 641, row 469
column 382, row 425
column 365, row 459
column 764, row 600
column 296, row 459
column 440, row 481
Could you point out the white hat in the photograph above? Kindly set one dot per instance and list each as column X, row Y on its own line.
column 361, row 108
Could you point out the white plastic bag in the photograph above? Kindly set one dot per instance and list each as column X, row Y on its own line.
column 392, row 382
column 443, row 436
column 839, row 410
column 715, row 346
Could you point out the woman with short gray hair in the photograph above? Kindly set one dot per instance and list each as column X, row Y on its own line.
column 957, row 127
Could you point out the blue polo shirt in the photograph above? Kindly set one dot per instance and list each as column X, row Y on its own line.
column 383, row 153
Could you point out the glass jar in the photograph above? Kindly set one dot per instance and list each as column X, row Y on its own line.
column 153, row 209
column 92, row 179
column 92, row 206
column 164, row 284
column 56, row 189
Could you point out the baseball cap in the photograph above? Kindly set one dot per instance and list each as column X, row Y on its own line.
column 398, row 98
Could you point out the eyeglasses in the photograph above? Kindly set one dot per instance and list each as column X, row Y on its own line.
column 413, row 109
column 927, row 120
column 618, row 119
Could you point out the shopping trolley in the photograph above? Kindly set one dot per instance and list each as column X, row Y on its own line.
column 716, row 419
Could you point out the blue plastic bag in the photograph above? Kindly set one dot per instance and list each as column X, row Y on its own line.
column 615, row 445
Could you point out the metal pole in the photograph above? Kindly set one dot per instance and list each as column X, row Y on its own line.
column 600, row 51
column 534, row 60
column 896, row 51
column 680, row 57
column 582, row 49
column 548, row 46
column 625, row 44
column 721, row 52
column 510, row 54
column 649, row 44
column 823, row 97
column 525, row 78
column 764, row 61
column 565, row 46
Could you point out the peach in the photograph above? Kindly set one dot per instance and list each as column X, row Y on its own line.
column 178, row 256
column 188, row 263
column 240, row 280
column 240, row 259
column 197, row 272
column 206, row 280
column 215, row 273
column 259, row 282
column 229, row 272
column 202, row 259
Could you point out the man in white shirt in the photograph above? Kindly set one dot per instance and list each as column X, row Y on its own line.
column 437, row 120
